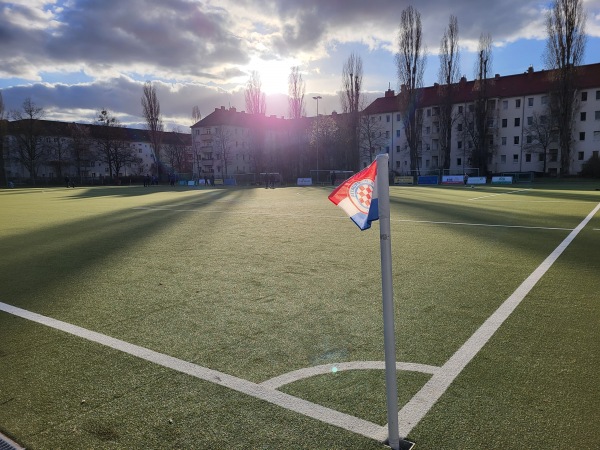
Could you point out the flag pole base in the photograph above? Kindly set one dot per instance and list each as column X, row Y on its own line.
column 404, row 444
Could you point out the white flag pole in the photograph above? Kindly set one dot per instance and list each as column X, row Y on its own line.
column 389, row 337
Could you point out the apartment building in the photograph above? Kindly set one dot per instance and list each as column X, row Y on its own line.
column 516, row 104
column 234, row 144
column 54, row 150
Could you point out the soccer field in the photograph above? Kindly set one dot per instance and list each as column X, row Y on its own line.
column 164, row 317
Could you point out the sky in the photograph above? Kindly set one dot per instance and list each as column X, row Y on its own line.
column 74, row 58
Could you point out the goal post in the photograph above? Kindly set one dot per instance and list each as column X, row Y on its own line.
column 333, row 176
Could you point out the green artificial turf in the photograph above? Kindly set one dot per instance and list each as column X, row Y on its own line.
column 257, row 283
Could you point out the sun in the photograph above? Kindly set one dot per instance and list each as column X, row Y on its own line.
column 274, row 75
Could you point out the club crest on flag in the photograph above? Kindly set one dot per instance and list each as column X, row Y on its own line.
column 360, row 194
column 357, row 196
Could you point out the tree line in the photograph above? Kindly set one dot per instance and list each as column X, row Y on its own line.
column 63, row 146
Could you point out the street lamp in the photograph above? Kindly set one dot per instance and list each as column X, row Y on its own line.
column 317, row 98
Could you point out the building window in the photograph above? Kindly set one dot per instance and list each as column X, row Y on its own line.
column 584, row 96
column 580, row 156
column 427, row 130
column 397, row 133
column 530, row 120
column 397, row 164
column 544, row 100
column 530, row 101
column 460, row 109
column 398, row 117
column 518, row 103
column 503, row 140
column 503, row 159
column 527, row 157
column 582, row 116
column 387, row 118
column 597, row 115
column 516, row 140
column 597, row 95
column 517, row 121
column 596, row 136
column 459, row 144
column 504, row 123
column 504, row 104
column 459, row 126
column 428, row 112
column 397, row 149
column 553, row 155
column 582, row 136
column 515, row 158
column 529, row 139
column 458, row 161
column 387, row 134
column 541, row 157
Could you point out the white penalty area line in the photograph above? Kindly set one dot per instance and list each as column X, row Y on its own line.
column 431, row 222
column 493, row 225
column 260, row 391
column 500, row 193
column 411, row 414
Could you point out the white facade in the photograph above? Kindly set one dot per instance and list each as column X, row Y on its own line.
column 509, row 139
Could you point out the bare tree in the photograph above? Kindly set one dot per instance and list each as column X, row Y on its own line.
column 371, row 137
column 3, row 124
column 539, row 134
column 297, row 110
column 296, row 90
column 222, row 145
column 565, row 48
column 30, row 149
column 196, row 116
column 448, row 77
column 154, row 122
column 107, row 140
column 256, row 102
column 410, row 61
column 175, row 151
column 124, row 154
column 80, row 149
column 478, row 118
column 351, row 99
column 326, row 134
column 58, row 154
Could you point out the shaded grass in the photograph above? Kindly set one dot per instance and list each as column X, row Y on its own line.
column 257, row 283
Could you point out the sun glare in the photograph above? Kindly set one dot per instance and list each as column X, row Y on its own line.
column 274, row 75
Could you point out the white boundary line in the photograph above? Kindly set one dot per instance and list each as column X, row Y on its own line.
column 410, row 415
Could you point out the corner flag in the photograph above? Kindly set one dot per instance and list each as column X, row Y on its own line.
column 357, row 196
column 366, row 197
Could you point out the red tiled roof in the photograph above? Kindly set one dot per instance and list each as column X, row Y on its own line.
column 528, row 83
